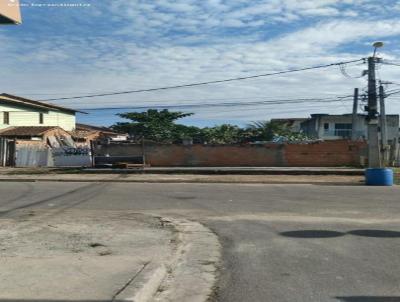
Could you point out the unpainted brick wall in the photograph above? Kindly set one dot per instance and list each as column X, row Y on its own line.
column 319, row 154
column 201, row 155
column 325, row 154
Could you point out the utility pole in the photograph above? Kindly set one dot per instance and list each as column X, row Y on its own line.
column 375, row 175
column 373, row 140
column 354, row 117
column 383, row 125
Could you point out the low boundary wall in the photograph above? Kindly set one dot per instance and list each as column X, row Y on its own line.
column 317, row 154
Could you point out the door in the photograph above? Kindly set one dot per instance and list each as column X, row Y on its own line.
column 10, row 153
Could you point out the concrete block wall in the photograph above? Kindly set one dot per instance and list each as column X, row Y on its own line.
column 319, row 154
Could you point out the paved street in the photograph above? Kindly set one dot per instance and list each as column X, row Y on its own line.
column 280, row 242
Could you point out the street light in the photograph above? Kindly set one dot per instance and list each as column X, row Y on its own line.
column 10, row 12
column 377, row 45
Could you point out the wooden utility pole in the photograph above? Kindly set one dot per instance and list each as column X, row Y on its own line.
column 354, row 117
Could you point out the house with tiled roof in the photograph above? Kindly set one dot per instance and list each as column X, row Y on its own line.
column 51, row 136
column 34, row 133
column 30, row 131
column 83, row 134
column 16, row 111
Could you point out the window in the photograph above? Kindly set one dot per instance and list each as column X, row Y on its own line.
column 343, row 130
column 6, row 118
column 326, row 126
column 41, row 118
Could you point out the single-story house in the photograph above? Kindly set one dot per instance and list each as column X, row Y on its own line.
column 31, row 146
column 83, row 134
column 39, row 136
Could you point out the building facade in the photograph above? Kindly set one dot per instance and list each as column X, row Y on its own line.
column 21, row 112
column 331, row 127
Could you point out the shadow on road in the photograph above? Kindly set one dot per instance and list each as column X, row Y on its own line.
column 368, row 299
column 314, row 234
column 376, row 233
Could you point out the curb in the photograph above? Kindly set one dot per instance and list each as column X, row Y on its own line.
column 227, row 171
column 189, row 276
column 145, row 286
column 182, row 181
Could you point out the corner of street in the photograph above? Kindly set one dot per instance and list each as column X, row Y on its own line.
column 60, row 255
column 200, row 151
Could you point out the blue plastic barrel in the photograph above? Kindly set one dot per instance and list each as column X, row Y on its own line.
column 379, row 177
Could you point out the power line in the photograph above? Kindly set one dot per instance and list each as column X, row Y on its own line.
column 209, row 101
column 390, row 63
column 325, row 104
column 230, row 104
column 342, row 68
column 214, row 113
column 393, row 92
column 206, row 83
column 274, row 110
column 204, row 100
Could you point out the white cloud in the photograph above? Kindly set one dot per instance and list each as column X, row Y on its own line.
column 191, row 16
column 145, row 54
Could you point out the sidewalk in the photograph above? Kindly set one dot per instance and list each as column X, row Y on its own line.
column 244, row 175
column 235, row 170
column 102, row 256
column 192, row 170
column 189, row 178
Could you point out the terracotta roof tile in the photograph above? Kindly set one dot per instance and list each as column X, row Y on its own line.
column 26, row 131
column 85, row 127
column 82, row 133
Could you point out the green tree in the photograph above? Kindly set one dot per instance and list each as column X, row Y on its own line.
column 153, row 124
column 267, row 131
column 182, row 132
column 223, row 134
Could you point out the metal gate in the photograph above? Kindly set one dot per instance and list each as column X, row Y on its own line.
column 7, row 152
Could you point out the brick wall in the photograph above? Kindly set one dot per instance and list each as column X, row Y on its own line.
column 200, row 155
column 320, row 154
column 328, row 154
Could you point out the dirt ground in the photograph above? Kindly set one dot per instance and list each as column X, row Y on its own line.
column 53, row 255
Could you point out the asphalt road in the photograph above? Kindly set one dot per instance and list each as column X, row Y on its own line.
column 280, row 242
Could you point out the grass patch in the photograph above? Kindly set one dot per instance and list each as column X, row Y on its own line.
column 396, row 176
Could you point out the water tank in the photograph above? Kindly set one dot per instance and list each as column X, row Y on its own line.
column 379, row 177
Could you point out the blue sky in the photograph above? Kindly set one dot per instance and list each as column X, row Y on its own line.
column 112, row 45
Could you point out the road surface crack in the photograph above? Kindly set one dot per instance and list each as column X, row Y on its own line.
column 129, row 282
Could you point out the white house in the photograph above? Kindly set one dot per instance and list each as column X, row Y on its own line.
column 17, row 111
column 36, row 133
column 340, row 126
